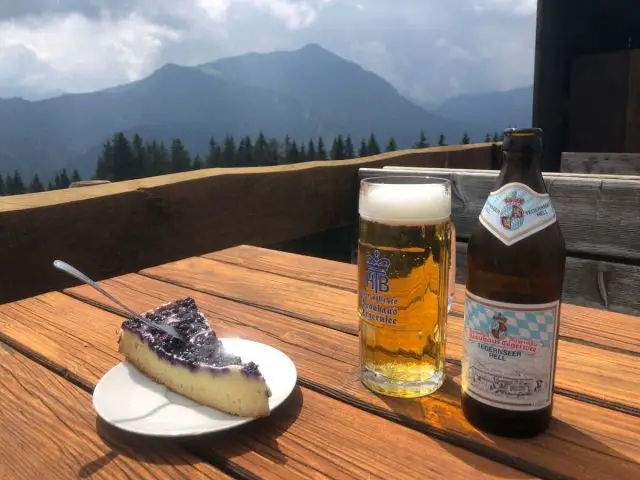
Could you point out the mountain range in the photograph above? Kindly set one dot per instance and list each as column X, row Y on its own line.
column 304, row 93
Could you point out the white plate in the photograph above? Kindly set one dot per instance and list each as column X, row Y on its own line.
column 131, row 401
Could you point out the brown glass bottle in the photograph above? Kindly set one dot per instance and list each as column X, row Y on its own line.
column 515, row 270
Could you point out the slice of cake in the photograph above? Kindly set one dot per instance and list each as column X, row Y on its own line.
column 199, row 369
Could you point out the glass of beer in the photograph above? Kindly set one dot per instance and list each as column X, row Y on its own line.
column 404, row 250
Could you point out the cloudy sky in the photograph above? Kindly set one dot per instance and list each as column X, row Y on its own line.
column 429, row 49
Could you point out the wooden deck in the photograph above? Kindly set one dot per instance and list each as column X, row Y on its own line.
column 56, row 346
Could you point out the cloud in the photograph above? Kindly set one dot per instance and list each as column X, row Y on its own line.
column 429, row 49
column 518, row 7
column 75, row 53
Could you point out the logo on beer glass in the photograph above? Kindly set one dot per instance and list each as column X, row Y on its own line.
column 377, row 267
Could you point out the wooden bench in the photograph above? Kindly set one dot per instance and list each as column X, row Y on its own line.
column 600, row 220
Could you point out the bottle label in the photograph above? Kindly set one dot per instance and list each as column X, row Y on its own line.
column 515, row 211
column 509, row 353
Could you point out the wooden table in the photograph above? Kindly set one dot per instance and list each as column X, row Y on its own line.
column 56, row 347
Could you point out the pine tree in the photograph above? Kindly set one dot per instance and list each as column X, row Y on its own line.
column 287, row 146
column 2, row 190
column 104, row 168
column 64, row 179
column 122, row 158
column 56, row 182
column 422, row 142
column 392, row 146
column 496, row 138
column 372, row 146
column 8, row 186
column 274, row 156
column 229, row 151
column 158, row 157
column 487, row 138
column 311, row 151
column 180, row 158
column 465, row 138
column 198, row 164
column 322, row 153
column 337, row 149
column 292, row 154
column 363, row 152
column 245, row 154
column 349, row 151
column 138, row 160
column 441, row 140
column 36, row 185
column 213, row 156
column 302, row 157
column 261, row 151
column 75, row 176
column 18, row 184
column 50, row 186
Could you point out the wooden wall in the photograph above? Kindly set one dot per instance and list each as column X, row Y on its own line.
column 112, row 229
column 584, row 61
column 604, row 111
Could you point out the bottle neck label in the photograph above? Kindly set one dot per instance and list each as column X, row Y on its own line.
column 515, row 212
column 509, row 353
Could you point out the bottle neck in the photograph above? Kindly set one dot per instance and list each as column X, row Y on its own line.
column 522, row 168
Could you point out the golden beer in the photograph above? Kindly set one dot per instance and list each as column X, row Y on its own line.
column 404, row 253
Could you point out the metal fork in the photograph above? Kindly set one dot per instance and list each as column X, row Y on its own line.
column 74, row 272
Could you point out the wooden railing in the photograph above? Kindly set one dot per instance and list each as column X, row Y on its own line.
column 116, row 228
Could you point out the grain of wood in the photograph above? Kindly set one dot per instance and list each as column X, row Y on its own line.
column 595, row 442
column 303, row 267
column 305, row 437
column 336, row 308
column 598, row 327
column 599, row 216
column 48, row 430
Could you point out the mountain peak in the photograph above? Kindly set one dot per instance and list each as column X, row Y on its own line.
column 313, row 47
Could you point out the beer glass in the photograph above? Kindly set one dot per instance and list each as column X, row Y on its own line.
column 404, row 250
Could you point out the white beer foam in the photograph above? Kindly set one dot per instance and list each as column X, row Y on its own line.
column 405, row 204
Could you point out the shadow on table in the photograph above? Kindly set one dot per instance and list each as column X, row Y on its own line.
column 580, row 453
column 259, row 436
column 440, row 416
column 216, row 448
column 140, row 448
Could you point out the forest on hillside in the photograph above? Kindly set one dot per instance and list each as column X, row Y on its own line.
column 127, row 159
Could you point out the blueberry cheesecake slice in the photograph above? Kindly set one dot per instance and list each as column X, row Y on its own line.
column 200, row 369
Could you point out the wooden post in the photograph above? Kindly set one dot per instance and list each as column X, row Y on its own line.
column 551, row 78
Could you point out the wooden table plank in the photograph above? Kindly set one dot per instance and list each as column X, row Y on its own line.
column 599, row 327
column 596, row 443
column 311, row 269
column 608, row 377
column 48, row 430
column 300, row 439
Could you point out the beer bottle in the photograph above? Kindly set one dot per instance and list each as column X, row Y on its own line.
column 515, row 269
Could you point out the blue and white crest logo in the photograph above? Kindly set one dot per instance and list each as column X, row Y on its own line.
column 377, row 267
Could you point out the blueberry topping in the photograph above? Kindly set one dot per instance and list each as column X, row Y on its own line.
column 202, row 347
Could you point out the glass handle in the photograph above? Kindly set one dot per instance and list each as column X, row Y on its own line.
column 452, row 268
